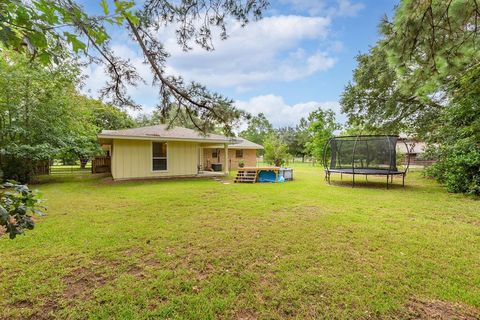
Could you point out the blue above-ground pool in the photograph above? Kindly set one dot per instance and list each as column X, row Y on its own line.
column 270, row 176
column 267, row 176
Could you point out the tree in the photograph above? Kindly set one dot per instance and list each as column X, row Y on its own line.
column 422, row 78
column 258, row 129
column 403, row 83
column 43, row 28
column 92, row 116
column 295, row 138
column 35, row 112
column 109, row 117
column 376, row 102
column 432, row 43
column 355, row 129
column 276, row 152
column 287, row 136
column 302, row 137
column 42, row 116
column 456, row 141
column 322, row 125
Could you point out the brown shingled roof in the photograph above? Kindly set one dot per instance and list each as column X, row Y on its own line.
column 162, row 131
column 245, row 144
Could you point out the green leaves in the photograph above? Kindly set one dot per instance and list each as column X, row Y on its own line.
column 322, row 125
column 422, row 79
column 122, row 8
column 276, row 152
column 105, row 7
column 16, row 201
column 76, row 44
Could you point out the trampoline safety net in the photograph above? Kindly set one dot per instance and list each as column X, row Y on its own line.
column 362, row 152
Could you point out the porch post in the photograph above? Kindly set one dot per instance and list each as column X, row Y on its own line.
column 200, row 159
column 225, row 159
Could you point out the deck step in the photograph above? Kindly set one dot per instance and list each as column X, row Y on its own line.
column 246, row 176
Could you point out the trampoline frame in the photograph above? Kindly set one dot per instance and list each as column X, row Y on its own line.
column 364, row 171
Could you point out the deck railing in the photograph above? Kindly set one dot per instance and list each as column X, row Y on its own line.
column 101, row 164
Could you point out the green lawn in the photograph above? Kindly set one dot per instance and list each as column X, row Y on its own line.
column 201, row 249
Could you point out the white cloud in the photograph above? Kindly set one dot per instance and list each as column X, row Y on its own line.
column 97, row 76
column 349, row 9
column 280, row 114
column 266, row 50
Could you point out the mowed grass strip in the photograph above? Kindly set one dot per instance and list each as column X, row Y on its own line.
column 201, row 249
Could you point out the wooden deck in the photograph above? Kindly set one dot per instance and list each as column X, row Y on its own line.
column 250, row 174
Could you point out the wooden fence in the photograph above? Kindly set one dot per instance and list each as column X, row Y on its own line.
column 42, row 167
column 101, row 164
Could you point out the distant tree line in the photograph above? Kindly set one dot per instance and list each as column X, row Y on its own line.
column 305, row 140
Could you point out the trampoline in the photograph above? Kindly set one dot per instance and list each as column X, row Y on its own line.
column 363, row 155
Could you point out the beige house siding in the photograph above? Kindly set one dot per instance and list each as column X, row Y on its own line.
column 133, row 159
column 249, row 156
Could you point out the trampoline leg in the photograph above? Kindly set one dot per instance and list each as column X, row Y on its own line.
column 366, row 177
column 341, row 175
column 353, row 181
column 387, row 180
column 391, row 179
column 403, row 181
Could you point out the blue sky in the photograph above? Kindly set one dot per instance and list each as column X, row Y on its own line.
column 299, row 57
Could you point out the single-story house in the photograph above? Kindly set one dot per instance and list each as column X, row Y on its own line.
column 158, row 151
column 414, row 150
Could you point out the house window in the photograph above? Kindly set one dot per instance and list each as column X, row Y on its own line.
column 214, row 154
column 239, row 153
column 159, row 156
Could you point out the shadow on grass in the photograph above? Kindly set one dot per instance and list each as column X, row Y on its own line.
column 370, row 184
column 68, row 177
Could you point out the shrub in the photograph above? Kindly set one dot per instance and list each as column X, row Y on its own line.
column 16, row 202
column 458, row 167
column 241, row 163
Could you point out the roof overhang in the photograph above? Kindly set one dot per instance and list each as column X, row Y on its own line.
column 234, row 146
column 245, row 148
column 106, row 137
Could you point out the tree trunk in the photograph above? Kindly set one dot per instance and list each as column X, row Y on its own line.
column 83, row 162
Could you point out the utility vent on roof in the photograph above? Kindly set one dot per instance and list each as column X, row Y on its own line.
column 153, row 134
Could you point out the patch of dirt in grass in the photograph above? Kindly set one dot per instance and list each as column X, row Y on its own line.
column 81, row 283
column 139, row 269
column 244, row 315
column 23, row 304
column 43, row 311
column 137, row 272
column 48, row 308
column 156, row 302
column 133, row 251
column 439, row 310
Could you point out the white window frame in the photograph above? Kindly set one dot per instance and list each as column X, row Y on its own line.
column 155, row 158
